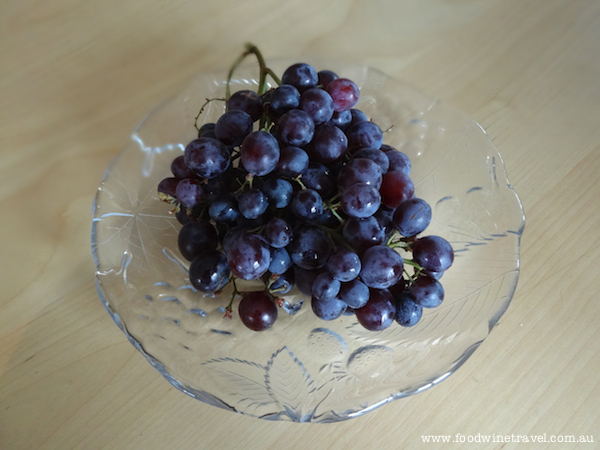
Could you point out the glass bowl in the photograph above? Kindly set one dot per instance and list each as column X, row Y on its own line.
column 304, row 369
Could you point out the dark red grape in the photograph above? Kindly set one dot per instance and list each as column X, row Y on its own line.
column 379, row 312
column 260, row 153
column 257, row 311
column 396, row 187
column 344, row 93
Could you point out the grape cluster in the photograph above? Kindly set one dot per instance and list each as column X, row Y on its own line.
column 295, row 187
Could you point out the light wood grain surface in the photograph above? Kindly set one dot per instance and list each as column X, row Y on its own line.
column 76, row 77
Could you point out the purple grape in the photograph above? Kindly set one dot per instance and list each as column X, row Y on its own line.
column 325, row 287
column 224, row 209
column 433, row 253
column 190, row 192
column 355, row 294
column 344, row 264
column 412, row 217
column 329, row 144
column 283, row 99
column 319, row 177
column 328, row 309
column 310, row 247
column 359, row 170
column 280, row 261
column 282, row 284
column 167, row 189
column 381, row 267
column 209, row 271
column 300, row 75
column 358, row 116
column 278, row 233
column 341, row 119
column 231, row 235
column 379, row 312
column 426, row 292
column 292, row 162
column 318, row 104
column 233, row 127
column 252, row 203
column 207, row 130
column 195, row 238
column 260, row 153
column 247, row 101
column 257, row 311
column 305, row 278
column 295, row 128
column 278, row 191
column 408, row 313
column 180, row 170
column 325, row 77
column 207, row 157
column 365, row 134
column 398, row 160
column 307, row 204
column 249, row 256
column 344, row 93
column 360, row 200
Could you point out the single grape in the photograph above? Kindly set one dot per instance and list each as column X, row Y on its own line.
column 396, row 187
column 295, row 128
column 249, row 256
column 344, row 94
column 379, row 312
column 307, row 204
column 195, row 238
column 408, row 313
column 283, row 99
column 207, row 130
column 282, row 284
column 224, row 209
column 328, row 309
column 318, row 104
column 426, row 292
column 329, row 144
column 433, row 253
column 257, row 311
column 341, row 119
column 325, row 287
column 260, row 153
column 231, row 235
column 179, row 169
column 325, row 77
column 207, row 157
column 247, row 101
column 278, row 232
column 354, row 293
column 252, row 203
column 167, row 189
column 358, row 116
column 292, row 162
column 232, row 127
column 209, row 271
column 344, row 264
column 300, row 75
column 365, row 134
column 318, row 177
column 278, row 191
column 310, row 247
column 381, row 267
column 280, row 261
column 360, row 200
column 398, row 160
column 412, row 217
column 190, row 192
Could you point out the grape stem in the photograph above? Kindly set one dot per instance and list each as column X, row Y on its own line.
column 251, row 49
column 208, row 100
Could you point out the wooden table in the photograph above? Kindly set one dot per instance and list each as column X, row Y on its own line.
column 76, row 77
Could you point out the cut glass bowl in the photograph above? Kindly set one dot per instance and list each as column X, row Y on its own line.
column 304, row 369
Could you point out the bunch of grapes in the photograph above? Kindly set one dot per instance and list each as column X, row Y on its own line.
column 295, row 187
